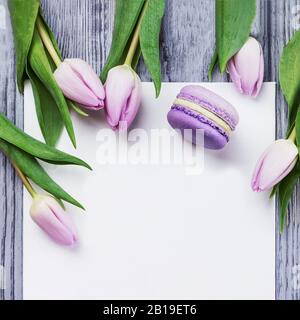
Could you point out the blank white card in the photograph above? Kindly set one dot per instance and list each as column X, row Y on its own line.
column 156, row 228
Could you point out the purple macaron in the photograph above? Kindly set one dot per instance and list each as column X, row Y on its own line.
column 198, row 108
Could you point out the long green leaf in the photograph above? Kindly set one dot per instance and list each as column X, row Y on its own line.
column 149, row 39
column 39, row 63
column 17, row 137
column 233, row 25
column 289, row 76
column 23, row 16
column 48, row 115
column 285, row 191
column 126, row 16
column 35, row 172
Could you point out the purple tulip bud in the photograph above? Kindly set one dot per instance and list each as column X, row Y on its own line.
column 275, row 164
column 246, row 68
column 123, row 96
column 79, row 82
column 50, row 217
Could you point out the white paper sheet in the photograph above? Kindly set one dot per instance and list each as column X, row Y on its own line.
column 156, row 231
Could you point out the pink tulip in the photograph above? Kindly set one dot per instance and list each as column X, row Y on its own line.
column 123, row 96
column 79, row 82
column 275, row 164
column 50, row 217
column 246, row 68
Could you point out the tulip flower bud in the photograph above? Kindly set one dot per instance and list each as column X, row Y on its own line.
column 123, row 95
column 246, row 68
column 79, row 82
column 275, row 164
column 50, row 217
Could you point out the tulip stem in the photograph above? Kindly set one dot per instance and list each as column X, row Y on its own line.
column 135, row 38
column 47, row 41
column 25, row 181
column 292, row 136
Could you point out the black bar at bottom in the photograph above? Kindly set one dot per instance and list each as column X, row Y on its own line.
column 145, row 309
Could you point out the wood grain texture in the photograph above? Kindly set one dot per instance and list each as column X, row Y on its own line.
column 83, row 29
column 10, row 187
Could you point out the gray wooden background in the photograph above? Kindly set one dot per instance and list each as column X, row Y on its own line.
column 83, row 29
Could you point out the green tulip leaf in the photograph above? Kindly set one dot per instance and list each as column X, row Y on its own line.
column 18, row 138
column 213, row 63
column 33, row 60
column 149, row 39
column 289, row 76
column 126, row 16
column 40, row 65
column 273, row 191
column 35, row 172
column 23, row 16
column 234, row 19
column 290, row 84
column 48, row 115
column 285, row 192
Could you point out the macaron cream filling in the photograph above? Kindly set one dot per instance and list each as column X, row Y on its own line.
column 202, row 110
column 201, row 118
column 221, row 112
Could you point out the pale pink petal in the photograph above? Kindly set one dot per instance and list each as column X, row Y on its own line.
column 52, row 220
column 257, row 170
column 284, row 173
column 74, row 88
column 88, row 76
column 134, row 103
column 260, row 80
column 118, row 87
column 276, row 163
column 234, row 75
column 62, row 216
column 246, row 68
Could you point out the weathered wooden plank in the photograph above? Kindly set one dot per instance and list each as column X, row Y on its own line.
column 83, row 29
column 10, row 187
